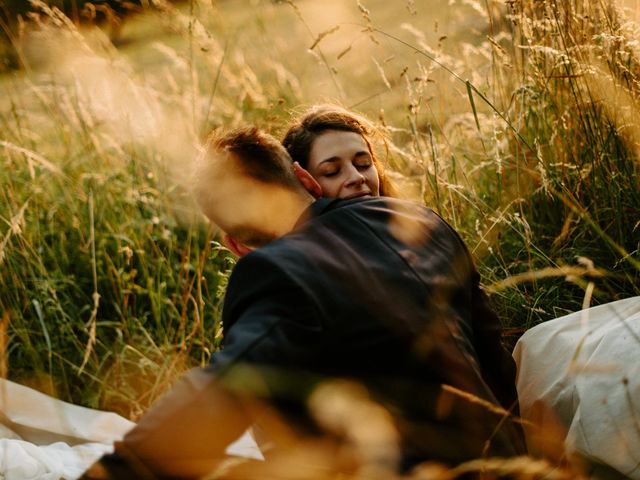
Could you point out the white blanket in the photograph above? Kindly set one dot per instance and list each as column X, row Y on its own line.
column 44, row 438
column 582, row 371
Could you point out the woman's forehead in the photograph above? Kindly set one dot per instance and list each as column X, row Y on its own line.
column 335, row 143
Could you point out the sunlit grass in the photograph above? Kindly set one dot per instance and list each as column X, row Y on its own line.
column 518, row 125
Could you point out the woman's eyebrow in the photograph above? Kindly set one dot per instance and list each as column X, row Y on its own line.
column 329, row 160
column 362, row 152
column 336, row 158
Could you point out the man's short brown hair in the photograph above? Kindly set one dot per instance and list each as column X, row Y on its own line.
column 257, row 154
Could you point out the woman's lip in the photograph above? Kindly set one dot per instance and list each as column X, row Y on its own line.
column 356, row 195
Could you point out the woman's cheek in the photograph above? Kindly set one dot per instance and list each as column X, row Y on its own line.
column 329, row 188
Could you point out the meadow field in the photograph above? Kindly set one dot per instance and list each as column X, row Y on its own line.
column 516, row 120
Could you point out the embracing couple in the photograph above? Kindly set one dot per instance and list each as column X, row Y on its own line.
column 354, row 323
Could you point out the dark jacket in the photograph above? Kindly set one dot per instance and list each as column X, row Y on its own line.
column 383, row 292
column 377, row 291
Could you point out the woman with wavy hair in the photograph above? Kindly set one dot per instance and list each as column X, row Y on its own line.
column 335, row 146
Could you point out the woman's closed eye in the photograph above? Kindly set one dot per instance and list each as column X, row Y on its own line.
column 362, row 160
column 363, row 165
column 330, row 173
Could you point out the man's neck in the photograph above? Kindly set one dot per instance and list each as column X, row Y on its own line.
column 287, row 210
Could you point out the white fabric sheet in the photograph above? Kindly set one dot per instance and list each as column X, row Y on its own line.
column 583, row 372
column 44, row 438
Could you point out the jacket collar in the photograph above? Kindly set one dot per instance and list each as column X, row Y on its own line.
column 323, row 205
column 316, row 209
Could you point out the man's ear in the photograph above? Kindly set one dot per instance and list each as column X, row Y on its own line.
column 240, row 249
column 308, row 182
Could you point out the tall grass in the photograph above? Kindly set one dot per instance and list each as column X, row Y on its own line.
column 521, row 133
column 574, row 103
column 105, row 290
column 109, row 282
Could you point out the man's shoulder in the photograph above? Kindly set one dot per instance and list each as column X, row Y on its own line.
column 336, row 222
column 367, row 207
column 386, row 210
column 370, row 202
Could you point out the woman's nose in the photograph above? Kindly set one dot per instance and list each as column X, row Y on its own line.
column 355, row 177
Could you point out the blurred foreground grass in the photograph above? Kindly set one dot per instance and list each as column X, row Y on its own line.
column 517, row 122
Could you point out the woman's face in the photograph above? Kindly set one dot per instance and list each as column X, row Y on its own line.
column 342, row 164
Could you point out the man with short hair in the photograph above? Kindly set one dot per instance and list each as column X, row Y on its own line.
column 375, row 292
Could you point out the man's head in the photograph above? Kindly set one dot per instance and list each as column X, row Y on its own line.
column 245, row 183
